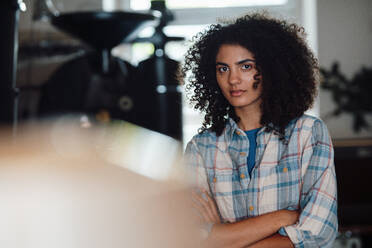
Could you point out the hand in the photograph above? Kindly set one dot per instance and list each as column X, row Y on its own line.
column 289, row 217
column 206, row 207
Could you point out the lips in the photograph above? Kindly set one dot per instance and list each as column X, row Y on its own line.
column 235, row 93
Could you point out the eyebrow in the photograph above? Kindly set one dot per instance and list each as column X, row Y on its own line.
column 245, row 60
column 237, row 63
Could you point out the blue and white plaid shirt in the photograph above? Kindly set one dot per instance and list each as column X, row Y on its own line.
column 295, row 173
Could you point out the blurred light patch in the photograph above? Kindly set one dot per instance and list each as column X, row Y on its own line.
column 141, row 150
column 176, row 4
column 85, row 122
column 121, row 143
column 109, row 185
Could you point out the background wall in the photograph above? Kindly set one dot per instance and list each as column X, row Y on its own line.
column 344, row 35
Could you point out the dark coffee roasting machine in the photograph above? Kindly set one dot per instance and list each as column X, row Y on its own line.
column 102, row 86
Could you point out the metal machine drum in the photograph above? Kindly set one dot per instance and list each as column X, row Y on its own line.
column 158, row 74
column 103, row 30
column 78, row 86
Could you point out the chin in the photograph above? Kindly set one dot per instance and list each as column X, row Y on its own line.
column 239, row 104
column 236, row 104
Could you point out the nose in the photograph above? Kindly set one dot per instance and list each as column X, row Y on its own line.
column 234, row 77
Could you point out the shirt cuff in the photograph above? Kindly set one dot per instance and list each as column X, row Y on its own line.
column 282, row 231
column 292, row 234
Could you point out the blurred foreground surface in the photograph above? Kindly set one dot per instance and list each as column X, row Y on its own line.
column 65, row 183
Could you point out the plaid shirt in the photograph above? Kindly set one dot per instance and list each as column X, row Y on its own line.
column 295, row 173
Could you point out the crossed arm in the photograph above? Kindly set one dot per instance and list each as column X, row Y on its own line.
column 257, row 231
column 317, row 224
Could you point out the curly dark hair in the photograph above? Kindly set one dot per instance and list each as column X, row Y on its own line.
column 285, row 64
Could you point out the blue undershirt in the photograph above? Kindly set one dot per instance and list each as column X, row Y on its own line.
column 252, row 135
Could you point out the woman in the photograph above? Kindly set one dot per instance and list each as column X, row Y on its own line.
column 258, row 155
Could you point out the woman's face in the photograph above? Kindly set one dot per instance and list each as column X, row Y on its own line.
column 235, row 71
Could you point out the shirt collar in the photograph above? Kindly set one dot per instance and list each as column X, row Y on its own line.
column 232, row 128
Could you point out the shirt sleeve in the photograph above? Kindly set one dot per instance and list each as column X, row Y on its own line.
column 197, row 175
column 195, row 166
column 317, row 225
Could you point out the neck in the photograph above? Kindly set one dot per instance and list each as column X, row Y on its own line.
column 249, row 118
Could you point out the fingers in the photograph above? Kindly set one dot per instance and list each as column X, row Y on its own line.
column 290, row 217
column 212, row 204
column 202, row 205
column 204, row 214
column 206, row 207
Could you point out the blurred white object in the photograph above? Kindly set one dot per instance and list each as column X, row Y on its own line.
column 143, row 151
column 58, row 189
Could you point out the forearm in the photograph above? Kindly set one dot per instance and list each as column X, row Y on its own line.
column 277, row 241
column 249, row 231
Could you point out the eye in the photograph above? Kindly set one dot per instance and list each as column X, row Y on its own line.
column 222, row 69
column 246, row 66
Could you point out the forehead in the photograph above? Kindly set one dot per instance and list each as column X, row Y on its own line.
column 233, row 53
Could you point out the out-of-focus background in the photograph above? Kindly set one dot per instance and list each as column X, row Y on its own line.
column 106, row 60
column 63, row 184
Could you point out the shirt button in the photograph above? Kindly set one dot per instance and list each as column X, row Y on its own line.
column 285, row 169
column 243, row 154
column 214, row 180
column 251, row 208
column 242, row 176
